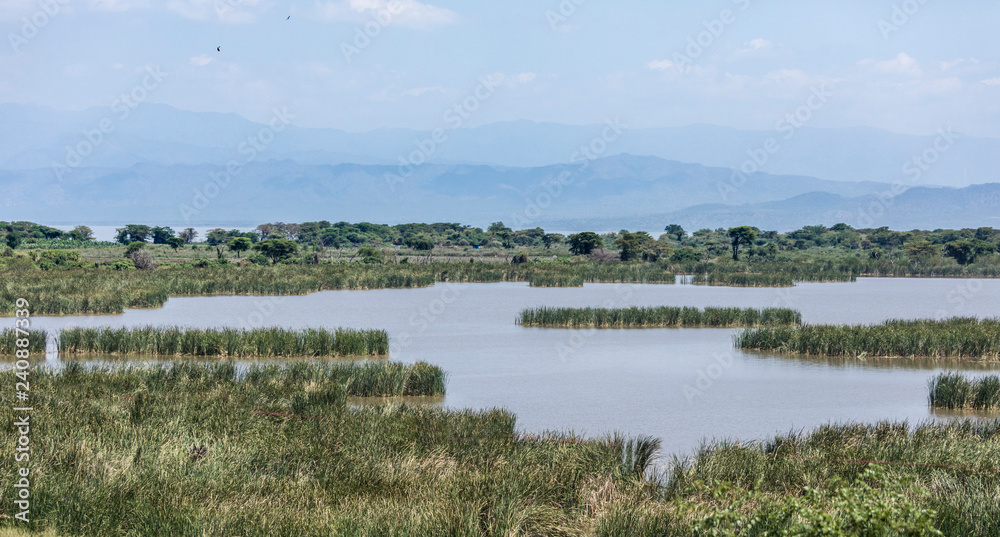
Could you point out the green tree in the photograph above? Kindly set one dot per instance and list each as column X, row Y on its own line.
column 966, row 251
column 741, row 236
column 240, row 244
column 420, row 242
column 921, row 251
column 638, row 245
column 132, row 233
column 175, row 242
column 676, row 230
column 13, row 240
column 369, row 255
column 133, row 247
column 550, row 239
column 161, row 234
column 216, row 236
column 584, row 243
column 276, row 249
column 80, row 233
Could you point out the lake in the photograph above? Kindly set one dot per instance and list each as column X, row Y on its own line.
column 681, row 385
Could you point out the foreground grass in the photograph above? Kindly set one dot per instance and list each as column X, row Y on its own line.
column 952, row 338
column 954, row 391
column 232, row 342
column 205, row 450
column 180, row 451
column 657, row 317
column 97, row 291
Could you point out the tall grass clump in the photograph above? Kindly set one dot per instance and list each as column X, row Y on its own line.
column 657, row 317
column 958, row 337
column 231, row 342
column 9, row 337
column 196, row 449
column 743, row 280
column 955, row 391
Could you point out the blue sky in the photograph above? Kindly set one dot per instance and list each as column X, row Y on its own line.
column 568, row 61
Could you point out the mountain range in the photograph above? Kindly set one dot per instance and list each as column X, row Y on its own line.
column 161, row 165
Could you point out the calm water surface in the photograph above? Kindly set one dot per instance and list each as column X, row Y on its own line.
column 681, row 385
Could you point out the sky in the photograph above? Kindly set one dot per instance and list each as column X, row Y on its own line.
column 912, row 66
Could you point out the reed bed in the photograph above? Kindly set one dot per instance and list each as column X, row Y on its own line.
column 966, row 338
column 199, row 449
column 727, row 279
column 657, row 317
column 9, row 338
column 104, row 291
column 229, row 342
column 955, row 391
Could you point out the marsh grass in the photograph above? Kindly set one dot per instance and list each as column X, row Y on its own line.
column 179, row 451
column 955, row 391
column 106, row 291
column 727, row 279
column 9, row 337
column 657, row 317
column 230, row 342
column 959, row 337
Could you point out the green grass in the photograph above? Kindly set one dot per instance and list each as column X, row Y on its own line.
column 657, row 317
column 955, row 391
column 180, row 451
column 966, row 338
column 743, row 280
column 103, row 291
column 9, row 337
column 232, row 342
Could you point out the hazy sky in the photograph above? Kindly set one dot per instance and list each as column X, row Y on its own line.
column 908, row 66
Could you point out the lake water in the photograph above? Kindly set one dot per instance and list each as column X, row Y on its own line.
column 681, row 385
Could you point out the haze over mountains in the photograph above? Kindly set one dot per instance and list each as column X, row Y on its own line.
column 156, row 164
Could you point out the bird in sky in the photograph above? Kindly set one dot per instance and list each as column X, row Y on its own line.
column 219, row 48
column 288, row 17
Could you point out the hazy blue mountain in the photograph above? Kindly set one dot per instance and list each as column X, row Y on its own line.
column 618, row 186
column 915, row 208
column 159, row 134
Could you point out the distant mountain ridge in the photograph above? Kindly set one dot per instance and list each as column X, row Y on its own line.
column 160, row 134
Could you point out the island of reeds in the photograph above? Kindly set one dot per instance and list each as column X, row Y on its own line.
column 11, row 341
column 955, row 391
column 657, row 317
column 227, row 342
column 959, row 337
column 208, row 449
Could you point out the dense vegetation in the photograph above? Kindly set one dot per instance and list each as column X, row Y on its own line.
column 231, row 342
column 954, row 391
column 203, row 449
column 957, row 337
column 9, row 338
column 657, row 317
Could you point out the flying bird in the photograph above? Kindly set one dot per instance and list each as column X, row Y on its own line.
column 219, row 48
column 288, row 17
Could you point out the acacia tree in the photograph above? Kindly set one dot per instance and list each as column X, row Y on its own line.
column 742, row 236
column 584, row 243
column 189, row 235
column 276, row 249
column 240, row 244
column 676, row 230
column 132, row 233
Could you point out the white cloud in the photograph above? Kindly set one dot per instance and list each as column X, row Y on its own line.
column 227, row 11
column 116, row 5
column 410, row 13
column 523, row 78
column 200, row 61
column 660, row 65
column 754, row 46
column 417, row 92
column 991, row 82
column 902, row 64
